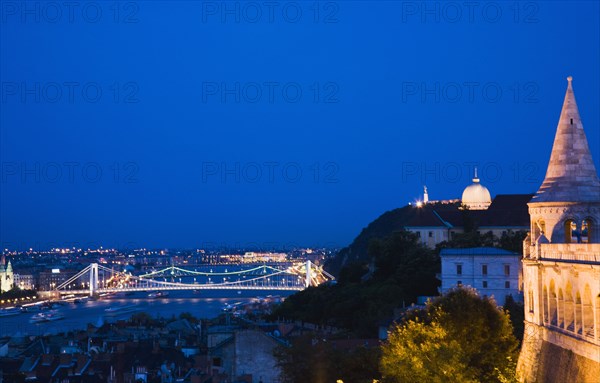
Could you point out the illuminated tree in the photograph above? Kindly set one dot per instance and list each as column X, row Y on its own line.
column 420, row 352
column 458, row 337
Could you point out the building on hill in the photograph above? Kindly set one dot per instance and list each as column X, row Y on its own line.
column 7, row 277
column 437, row 222
column 491, row 271
column 476, row 196
column 561, row 264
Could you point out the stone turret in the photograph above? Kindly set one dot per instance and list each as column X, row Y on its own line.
column 566, row 208
column 561, row 263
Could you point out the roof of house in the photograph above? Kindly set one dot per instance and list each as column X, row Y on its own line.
column 506, row 210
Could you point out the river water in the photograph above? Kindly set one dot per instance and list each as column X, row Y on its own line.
column 203, row 304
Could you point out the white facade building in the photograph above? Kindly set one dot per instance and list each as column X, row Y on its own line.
column 24, row 281
column 491, row 271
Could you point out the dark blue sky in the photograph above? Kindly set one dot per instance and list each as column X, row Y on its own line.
column 196, row 124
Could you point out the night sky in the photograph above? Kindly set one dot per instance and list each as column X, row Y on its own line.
column 200, row 124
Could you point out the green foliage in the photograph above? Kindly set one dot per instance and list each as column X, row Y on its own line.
column 419, row 352
column 511, row 241
column 459, row 337
column 403, row 270
column 353, row 272
column 516, row 311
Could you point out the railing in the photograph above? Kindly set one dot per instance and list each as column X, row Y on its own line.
column 585, row 253
column 587, row 333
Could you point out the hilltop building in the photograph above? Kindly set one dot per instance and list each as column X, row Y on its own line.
column 561, row 264
column 439, row 221
column 7, row 277
column 476, row 196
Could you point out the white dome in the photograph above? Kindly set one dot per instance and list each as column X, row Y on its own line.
column 476, row 196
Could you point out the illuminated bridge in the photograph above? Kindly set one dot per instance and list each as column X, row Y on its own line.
column 98, row 279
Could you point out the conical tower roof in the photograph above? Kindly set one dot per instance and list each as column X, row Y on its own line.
column 571, row 174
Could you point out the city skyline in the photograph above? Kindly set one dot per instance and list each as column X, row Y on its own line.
column 147, row 131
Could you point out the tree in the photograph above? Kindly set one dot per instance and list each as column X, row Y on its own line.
column 516, row 311
column 458, row 337
column 420, row 352
column 403, row 270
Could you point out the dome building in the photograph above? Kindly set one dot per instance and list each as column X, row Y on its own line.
column 476, row 196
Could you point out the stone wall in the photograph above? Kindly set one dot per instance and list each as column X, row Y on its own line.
column 254, row 356
column 557, row 364
column 542, row 361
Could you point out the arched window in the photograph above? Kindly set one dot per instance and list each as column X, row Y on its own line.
column 572, row 235
column 589, row 231
column 569, row 322
column 545, row 308
column 540, row 228
column 585, row 232
column 561, row 308
column 587, row 313
column 530, row 300
column 578, row 312
column 552, row 304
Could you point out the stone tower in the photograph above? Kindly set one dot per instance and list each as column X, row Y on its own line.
column 561, row 262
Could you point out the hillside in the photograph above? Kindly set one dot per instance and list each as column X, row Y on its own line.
column 508, row 210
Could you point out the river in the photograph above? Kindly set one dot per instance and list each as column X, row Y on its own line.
column 205, row 304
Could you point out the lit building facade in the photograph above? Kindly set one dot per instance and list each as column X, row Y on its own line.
column 561, row 264
column 25, row 281
column 7, row 278
column 491, row 271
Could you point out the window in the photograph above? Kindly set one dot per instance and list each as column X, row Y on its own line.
column 217, row 362
column 484, row 269
column 458, row 269
column 586, row 231
column 430, row 234
column 572, row 235
column 530, row 303
column 459, row 283
column 484, row 284
column 506, row 269
column 419, row 234
column 507, row 284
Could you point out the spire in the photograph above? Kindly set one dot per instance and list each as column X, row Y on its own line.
column 571, row 174
column 476, row 179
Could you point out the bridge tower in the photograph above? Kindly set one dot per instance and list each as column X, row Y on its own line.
column 308, row 273
column 93, row 278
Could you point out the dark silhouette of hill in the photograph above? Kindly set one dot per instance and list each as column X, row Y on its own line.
column 508, row 210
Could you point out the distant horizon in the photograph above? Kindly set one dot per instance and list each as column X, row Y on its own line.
column 233, row 249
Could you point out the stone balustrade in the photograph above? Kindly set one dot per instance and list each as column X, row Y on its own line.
column 579, row 252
